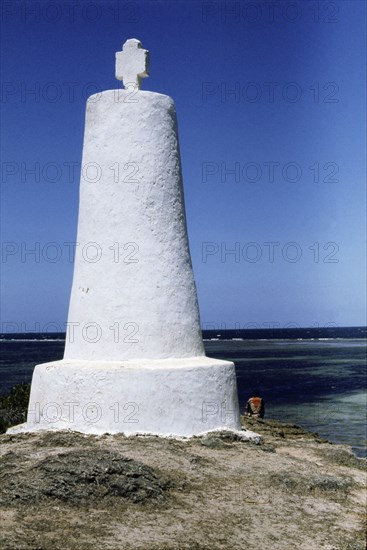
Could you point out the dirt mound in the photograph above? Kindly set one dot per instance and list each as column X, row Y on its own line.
column 71, row 491
column 79, row 476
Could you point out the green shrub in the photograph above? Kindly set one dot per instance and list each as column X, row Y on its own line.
column 13, row 406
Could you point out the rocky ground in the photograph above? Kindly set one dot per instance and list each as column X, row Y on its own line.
column 70, row 491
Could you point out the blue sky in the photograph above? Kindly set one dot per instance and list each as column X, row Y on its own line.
column 271, row 111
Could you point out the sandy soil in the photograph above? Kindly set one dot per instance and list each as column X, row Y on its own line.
column 70, row 491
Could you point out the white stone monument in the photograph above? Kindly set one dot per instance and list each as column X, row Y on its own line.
column 134, row 358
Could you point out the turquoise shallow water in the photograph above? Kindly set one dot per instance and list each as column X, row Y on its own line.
column 318, row 384
column 341, row 419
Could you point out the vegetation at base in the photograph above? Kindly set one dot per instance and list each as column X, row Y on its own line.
column 13, row 406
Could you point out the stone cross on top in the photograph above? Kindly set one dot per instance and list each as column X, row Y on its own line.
column 132, row 63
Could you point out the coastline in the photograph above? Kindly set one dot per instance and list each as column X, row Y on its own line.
column 61, row 490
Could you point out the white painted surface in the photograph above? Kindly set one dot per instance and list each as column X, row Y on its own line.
column 132, row 64
column 170, row 397
column 142, row 303
column 134, row 349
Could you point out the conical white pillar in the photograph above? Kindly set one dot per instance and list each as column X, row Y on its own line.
column 134, row 358
column 133, row 294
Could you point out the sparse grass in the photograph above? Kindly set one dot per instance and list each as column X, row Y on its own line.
column 111, row 491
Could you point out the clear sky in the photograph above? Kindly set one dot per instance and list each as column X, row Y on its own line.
column 270, row 98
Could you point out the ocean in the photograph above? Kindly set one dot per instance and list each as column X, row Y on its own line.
column 315, row 378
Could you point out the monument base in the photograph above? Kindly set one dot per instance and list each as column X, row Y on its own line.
column 171, row 397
